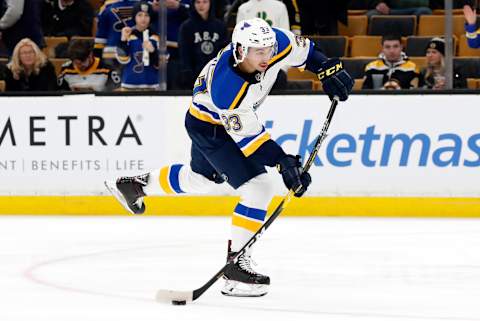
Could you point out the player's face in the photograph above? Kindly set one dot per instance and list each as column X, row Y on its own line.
column 392, row 49
column 142, row 20
column 258, row 58
column 27, row 56
column 434, row 57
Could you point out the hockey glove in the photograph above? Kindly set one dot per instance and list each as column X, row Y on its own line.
column 335, row 80
column 291, row 170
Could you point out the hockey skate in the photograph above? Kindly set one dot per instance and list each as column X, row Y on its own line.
column 242, row 281
column 129, row 192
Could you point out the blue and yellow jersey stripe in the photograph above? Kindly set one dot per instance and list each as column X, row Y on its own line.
column 227, row 89
column 169, row 179
column 204, row 114
column 239, row 97
column 248, row 218
column 249, row 145
column 284, row 47
column 200, row 86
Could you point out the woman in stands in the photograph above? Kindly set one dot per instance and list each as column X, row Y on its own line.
column 433, row 76
column 29, row 69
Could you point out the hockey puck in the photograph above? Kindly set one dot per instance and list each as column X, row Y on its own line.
column 179, row 302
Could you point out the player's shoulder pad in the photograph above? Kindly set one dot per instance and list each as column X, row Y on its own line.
column 284, row 45
column 228, row 89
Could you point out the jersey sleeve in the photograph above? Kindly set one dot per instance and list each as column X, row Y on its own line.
column 294, row 50
column 473, row 36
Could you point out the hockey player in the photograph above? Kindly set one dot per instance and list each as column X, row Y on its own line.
column 230, row 144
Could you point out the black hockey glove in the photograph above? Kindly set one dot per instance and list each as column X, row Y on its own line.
column 291, row 170
column 335, row 80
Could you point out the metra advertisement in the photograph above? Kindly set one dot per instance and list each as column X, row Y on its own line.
column 377, row 145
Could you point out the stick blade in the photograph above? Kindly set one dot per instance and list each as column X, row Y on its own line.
column 167, row 296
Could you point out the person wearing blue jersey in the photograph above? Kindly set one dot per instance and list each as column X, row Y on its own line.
column 229, row 142
column 138, row 51
column 112, row 17
column 473, row 34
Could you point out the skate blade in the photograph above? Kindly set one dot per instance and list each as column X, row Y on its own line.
column 239, row 289
column 112, row 188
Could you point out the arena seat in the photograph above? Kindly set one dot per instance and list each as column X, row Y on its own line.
column 332, row 46
column 356, row 66
column 435, row 25
column 468, row 67
column 357, row 25
column 52, row 43
column 295, row 74
column 58, row 63
column 464, row 50
column 416, row 45
column 365, row 46
column 399, row 25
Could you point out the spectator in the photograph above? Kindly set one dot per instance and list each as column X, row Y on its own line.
column 85, row 72
column 321, row 17
column 398, row 7
column 29, row 69
column 293, row 16
column 67, row 18
column 392, row 69
column 274, row 12
column 21, row 19
column 139, row 72
column 433, row 76
column 473, row 37
column 200, row 39
column 177, row 13
column 112, row 17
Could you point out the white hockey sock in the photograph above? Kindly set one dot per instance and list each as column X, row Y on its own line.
column 250, row 213
column 176, row 179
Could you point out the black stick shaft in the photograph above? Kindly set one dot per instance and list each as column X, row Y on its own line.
column 323, row 134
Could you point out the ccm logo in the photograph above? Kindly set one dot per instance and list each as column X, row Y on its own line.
column 330, row 71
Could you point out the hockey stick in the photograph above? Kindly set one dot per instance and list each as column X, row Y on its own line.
column 182, row 297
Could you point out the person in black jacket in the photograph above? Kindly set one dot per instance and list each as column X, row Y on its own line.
column 29, row 69
column 67, row 18
column 21, row 19
column 200, row 39
column 321, row 17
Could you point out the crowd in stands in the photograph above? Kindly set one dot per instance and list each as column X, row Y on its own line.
column 114, row 45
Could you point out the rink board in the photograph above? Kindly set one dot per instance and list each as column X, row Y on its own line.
column 385, row 155
column 223, row 205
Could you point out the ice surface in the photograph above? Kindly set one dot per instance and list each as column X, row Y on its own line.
column 328, row 269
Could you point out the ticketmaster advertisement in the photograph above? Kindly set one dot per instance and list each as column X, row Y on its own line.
column 378, row 145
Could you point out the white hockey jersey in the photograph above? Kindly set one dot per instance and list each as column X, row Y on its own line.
column 224, row 95
column 274, row 12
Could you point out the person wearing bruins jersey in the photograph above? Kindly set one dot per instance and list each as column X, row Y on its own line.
column 84, row 72
column 392, row 69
